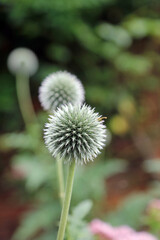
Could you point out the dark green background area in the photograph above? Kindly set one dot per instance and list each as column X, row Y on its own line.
column 112, row 46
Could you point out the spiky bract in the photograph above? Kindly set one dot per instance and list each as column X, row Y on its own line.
column 75, row 133
column 22, row 60
column 59, row 89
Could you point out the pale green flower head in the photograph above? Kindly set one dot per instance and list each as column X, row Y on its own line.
column 75, row 133
column 60, row 88
column 22, row 60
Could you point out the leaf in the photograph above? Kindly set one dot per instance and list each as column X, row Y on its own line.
column 36, row 172
column 41, row 218
column 77, row 226
column 80, row 211
column 90, row 180
column 152, row 166
column 130, row 211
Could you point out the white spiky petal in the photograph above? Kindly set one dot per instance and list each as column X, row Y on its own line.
column 75, row 133
column 59, row 89
column 22, row 60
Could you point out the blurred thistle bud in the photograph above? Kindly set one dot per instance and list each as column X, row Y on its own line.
column 75, row 133
column 22, row 60
column 59, row 89
column 119, row 125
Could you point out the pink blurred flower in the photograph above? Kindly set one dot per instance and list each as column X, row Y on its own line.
column 102, row 229
column 136, row 236
column 123, row 232
column 106, row 231
column 145, row 236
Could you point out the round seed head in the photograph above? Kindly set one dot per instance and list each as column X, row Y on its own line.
column 60, row 88
column 22, row 60
column 75, row 133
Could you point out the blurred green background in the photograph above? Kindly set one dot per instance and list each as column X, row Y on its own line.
column 113, row 47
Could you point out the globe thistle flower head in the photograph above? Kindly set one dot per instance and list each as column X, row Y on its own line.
column 75, row 133
column 22, row 60
column 60, row 88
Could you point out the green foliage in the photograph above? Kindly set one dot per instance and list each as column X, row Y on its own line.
column 140, row 27
column 131, row 211
column 40, row 219
column 80, row 211
column 35, row 170
column 90, row 179
column 116, row 34
column 91, row 38
column 77, row 226
column 152, row 166
column 130, row 63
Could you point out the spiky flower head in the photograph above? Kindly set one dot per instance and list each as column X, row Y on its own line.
column 59, row 89
column 22, row 60
column 75, row 133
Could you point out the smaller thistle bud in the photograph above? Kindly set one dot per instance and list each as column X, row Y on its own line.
column 75, row 134
column 22, row 60
column 60, row 88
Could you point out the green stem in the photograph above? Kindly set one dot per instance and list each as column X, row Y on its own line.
column 60, row 179
column 24, row 99
column 66, row 203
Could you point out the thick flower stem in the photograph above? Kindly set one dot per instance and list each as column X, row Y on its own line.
column 66, row 203
column 60, row 179
column 24, row 99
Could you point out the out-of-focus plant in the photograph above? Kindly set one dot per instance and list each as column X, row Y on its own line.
column 152, row 166
column 119, row 125
column 77, row 225
column 23, row 63
column 60, row 88
column 130, row 211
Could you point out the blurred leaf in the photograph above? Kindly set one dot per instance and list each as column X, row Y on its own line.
column 49, row 235
column 109, row 50
column 130, row 211
column 17, row 141
column 90, row 180
column 37, row 220
column 29, row 140
column 116, row 34
column 133, row 63
column 59, row 53
column 140, row 27
column 77, row 227
column 152, row 165
column 137, row 27
column 35, row 171
column 81, row 210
